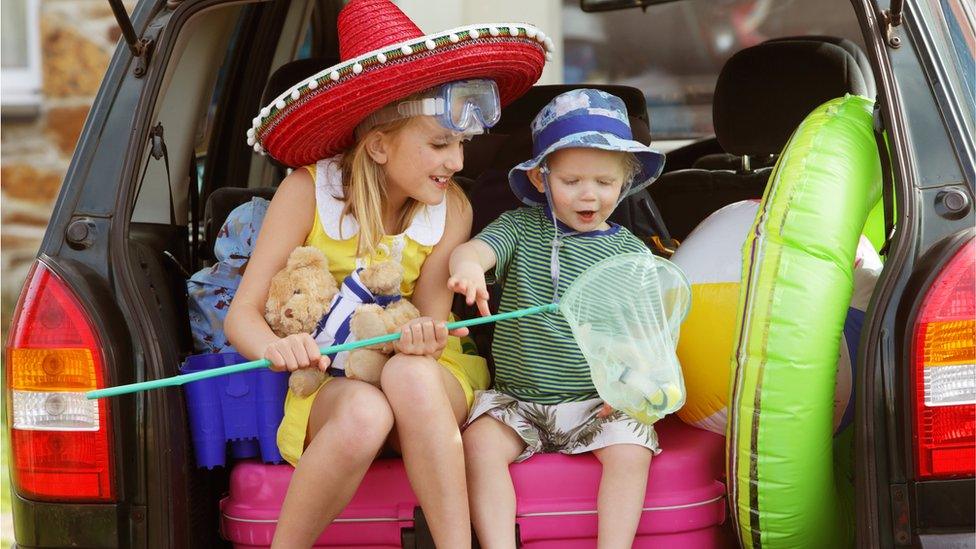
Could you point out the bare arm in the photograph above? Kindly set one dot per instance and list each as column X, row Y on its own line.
column 427, row 335
column 432, row 296
column 286, row 225
column 469, row 263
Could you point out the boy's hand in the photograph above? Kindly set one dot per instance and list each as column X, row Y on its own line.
column 470, row 282
column 605, row 411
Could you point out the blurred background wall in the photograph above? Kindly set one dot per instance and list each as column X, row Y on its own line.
column 55, row 53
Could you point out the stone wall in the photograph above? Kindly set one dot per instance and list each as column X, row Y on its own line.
column 77, row 38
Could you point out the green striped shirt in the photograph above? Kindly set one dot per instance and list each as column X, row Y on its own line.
column 536, row 357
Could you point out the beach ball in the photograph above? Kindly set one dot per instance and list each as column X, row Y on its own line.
column 711, row 257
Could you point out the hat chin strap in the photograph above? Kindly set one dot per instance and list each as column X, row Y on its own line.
column 557, row 239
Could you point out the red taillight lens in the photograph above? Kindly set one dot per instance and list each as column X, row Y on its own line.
column 944, row 371
column 60, row 443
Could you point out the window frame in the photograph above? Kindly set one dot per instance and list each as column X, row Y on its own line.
column 21, row 87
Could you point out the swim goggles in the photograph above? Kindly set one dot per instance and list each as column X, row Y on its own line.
column 464, row 106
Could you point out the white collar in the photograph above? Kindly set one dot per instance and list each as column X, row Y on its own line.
column 425, row 229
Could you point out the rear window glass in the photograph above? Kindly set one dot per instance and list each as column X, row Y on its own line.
column 673, row 52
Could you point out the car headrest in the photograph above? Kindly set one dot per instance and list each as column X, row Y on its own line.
column 764, row 92
column 847, row 45
column 519, row 113
column 293, row 72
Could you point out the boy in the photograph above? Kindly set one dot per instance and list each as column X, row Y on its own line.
column 585, row 162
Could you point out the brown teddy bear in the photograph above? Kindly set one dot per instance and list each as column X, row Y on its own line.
column 303, row 293
column 372, row 320
column 299, row 296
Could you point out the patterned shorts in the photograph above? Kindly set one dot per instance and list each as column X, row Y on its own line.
column 567, row 428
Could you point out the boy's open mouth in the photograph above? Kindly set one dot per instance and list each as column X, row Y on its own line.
column 586, row 215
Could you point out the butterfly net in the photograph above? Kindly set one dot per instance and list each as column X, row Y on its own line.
column 625, row 313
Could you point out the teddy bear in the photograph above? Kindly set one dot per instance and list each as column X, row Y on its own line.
column 303, row 295
column 299, row 296
column 386, row 316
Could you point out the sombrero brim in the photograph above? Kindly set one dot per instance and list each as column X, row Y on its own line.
column 652, row 163
column 317, row 117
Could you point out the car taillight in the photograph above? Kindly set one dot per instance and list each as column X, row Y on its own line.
column 60, row 442
column 944, row 371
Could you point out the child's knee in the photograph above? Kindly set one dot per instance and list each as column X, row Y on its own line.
column 486, row 441
column 364, row 416
column 411, row 378
column 628, row 456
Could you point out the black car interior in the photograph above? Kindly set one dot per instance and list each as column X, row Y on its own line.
column 761, row 95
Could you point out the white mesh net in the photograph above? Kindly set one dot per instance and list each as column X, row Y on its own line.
column 625, row 313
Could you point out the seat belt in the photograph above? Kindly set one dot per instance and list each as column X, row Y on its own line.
column 194, row 197
column 662, row 240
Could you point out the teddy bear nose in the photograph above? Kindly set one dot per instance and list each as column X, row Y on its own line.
column 288, row 313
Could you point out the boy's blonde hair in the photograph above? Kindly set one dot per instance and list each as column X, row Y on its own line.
column 364, row 191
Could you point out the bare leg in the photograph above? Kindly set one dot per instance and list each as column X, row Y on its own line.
column 489, row 447
column 428, row 404
column 622, row 487
column 349, row 422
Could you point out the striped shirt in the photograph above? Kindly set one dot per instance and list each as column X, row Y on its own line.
column 536, row 357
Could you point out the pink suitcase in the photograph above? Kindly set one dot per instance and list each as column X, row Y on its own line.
column 684, row 506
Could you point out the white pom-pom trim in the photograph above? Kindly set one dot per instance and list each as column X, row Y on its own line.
column 357, row 68
column 381, row 58
column 530, row 32
column 265, row 111
column 430, row 44
column 454, row 38
column 493, row 31
column 548, row 56
column 313, row 84
column 407, row 50
column 549, row 45
column 280, row 104
column 474, row 34
column 513, row 31
column 295, row 94
column 334, row 75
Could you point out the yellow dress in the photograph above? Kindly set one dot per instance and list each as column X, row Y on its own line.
column 337, row 237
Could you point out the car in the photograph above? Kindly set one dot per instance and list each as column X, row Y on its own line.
column 105, row 302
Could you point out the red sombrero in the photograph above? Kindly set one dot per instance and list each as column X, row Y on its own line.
column 386, row 57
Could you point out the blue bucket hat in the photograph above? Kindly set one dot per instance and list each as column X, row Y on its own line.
column 583, row 118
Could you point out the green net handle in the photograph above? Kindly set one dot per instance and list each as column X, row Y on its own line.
column 265, row 363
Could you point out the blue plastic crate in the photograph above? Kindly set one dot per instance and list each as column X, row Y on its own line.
column 242, row 409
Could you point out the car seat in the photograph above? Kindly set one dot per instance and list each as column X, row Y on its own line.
column 762, row 94
column 727, row 161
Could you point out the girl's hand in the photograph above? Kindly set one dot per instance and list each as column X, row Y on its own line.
column 422, row 336
column 605, row 411
column 470, row 282
column 293, row 352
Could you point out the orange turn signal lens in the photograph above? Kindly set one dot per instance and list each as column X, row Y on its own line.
column 52, row 370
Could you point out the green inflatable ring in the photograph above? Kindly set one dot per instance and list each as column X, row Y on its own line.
column 788, row 484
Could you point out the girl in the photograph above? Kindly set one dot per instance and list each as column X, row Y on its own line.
column 380, row 136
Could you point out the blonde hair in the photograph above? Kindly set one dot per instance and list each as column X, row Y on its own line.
column 632, row 167
column 364, row 192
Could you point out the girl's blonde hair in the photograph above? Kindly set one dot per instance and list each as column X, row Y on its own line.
column 364, row 192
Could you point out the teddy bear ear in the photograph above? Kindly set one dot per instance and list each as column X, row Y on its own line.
column 307, row 256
